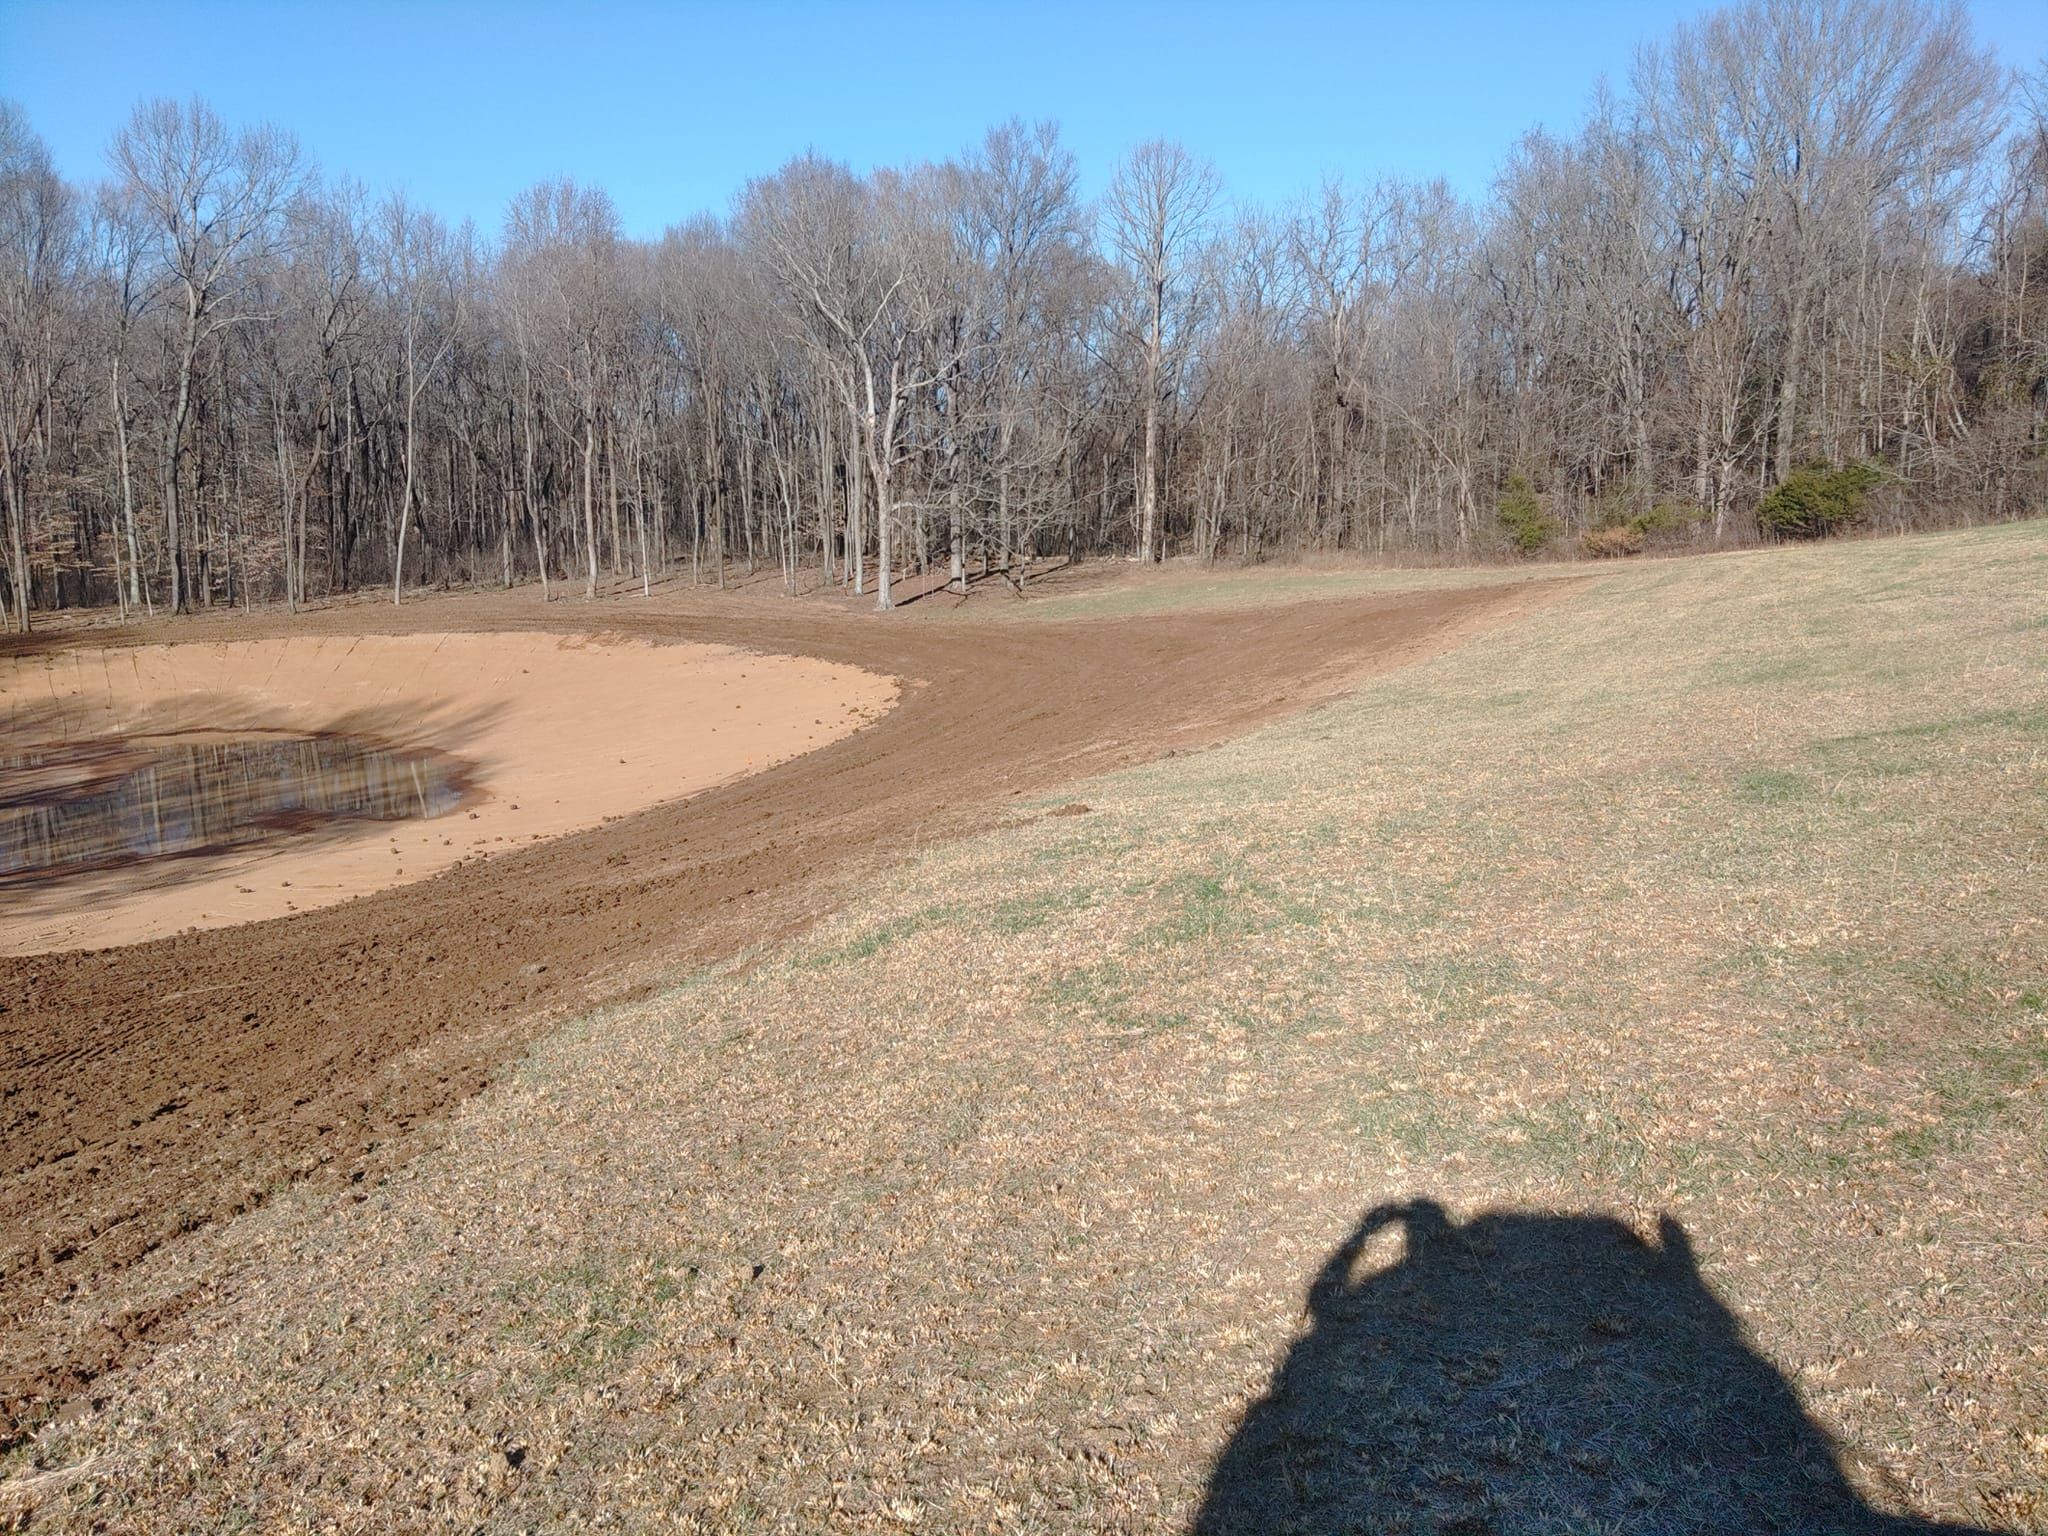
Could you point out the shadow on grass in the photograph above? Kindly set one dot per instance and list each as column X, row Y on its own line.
column 1526, row 1373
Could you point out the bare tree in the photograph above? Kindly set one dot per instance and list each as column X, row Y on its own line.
column 1157, row 211
column 419, row 288
column 118, row 246
column 864, row 271
column 37, row 244
column 1022, row 229
column 212, row 199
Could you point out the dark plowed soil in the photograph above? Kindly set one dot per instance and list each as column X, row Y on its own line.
column 148, row 1091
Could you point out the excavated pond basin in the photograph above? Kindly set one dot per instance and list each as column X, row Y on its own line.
column 116, row 801
column 547, row 735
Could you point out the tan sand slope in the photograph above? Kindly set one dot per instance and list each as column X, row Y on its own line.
column 558, row 732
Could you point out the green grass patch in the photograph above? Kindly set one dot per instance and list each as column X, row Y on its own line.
column 1774, row 786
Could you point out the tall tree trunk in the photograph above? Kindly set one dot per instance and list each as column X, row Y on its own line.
column 135, row 587
column 884, row 554
column 590, row 500
column 174, row 456
column 1788, row 384
column 412, row 396
column 856, row 478
column 1148, row 483
column 284, row 491
column 17, row 540
column 956, row 542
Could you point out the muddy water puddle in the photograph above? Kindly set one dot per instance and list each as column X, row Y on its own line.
column 110, row 802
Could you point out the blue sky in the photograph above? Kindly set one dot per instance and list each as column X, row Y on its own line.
column 673, row 107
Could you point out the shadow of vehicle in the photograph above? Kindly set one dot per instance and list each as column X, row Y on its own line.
column 1522, row 1374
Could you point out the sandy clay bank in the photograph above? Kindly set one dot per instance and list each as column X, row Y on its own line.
column 150, row 790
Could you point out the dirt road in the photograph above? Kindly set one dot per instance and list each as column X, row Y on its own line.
column 150, row 1090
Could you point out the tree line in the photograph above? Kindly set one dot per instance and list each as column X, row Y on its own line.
column 1806, row 232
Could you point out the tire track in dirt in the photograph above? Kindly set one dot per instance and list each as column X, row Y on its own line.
column 148, row 1091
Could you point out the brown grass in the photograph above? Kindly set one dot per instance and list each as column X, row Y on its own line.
column 1693, row 927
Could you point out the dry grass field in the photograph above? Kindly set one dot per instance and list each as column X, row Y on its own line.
column 1590, row 1080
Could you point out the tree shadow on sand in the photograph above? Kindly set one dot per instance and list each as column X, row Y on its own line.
column 1523, row 1374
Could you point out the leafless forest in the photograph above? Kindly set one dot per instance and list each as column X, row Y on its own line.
column 1798, row 233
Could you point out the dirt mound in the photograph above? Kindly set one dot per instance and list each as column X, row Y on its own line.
column 152, row 1089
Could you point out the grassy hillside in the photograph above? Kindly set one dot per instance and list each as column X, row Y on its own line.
column 1703, row 910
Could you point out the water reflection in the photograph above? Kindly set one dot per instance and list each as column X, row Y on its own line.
column 96, row 804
